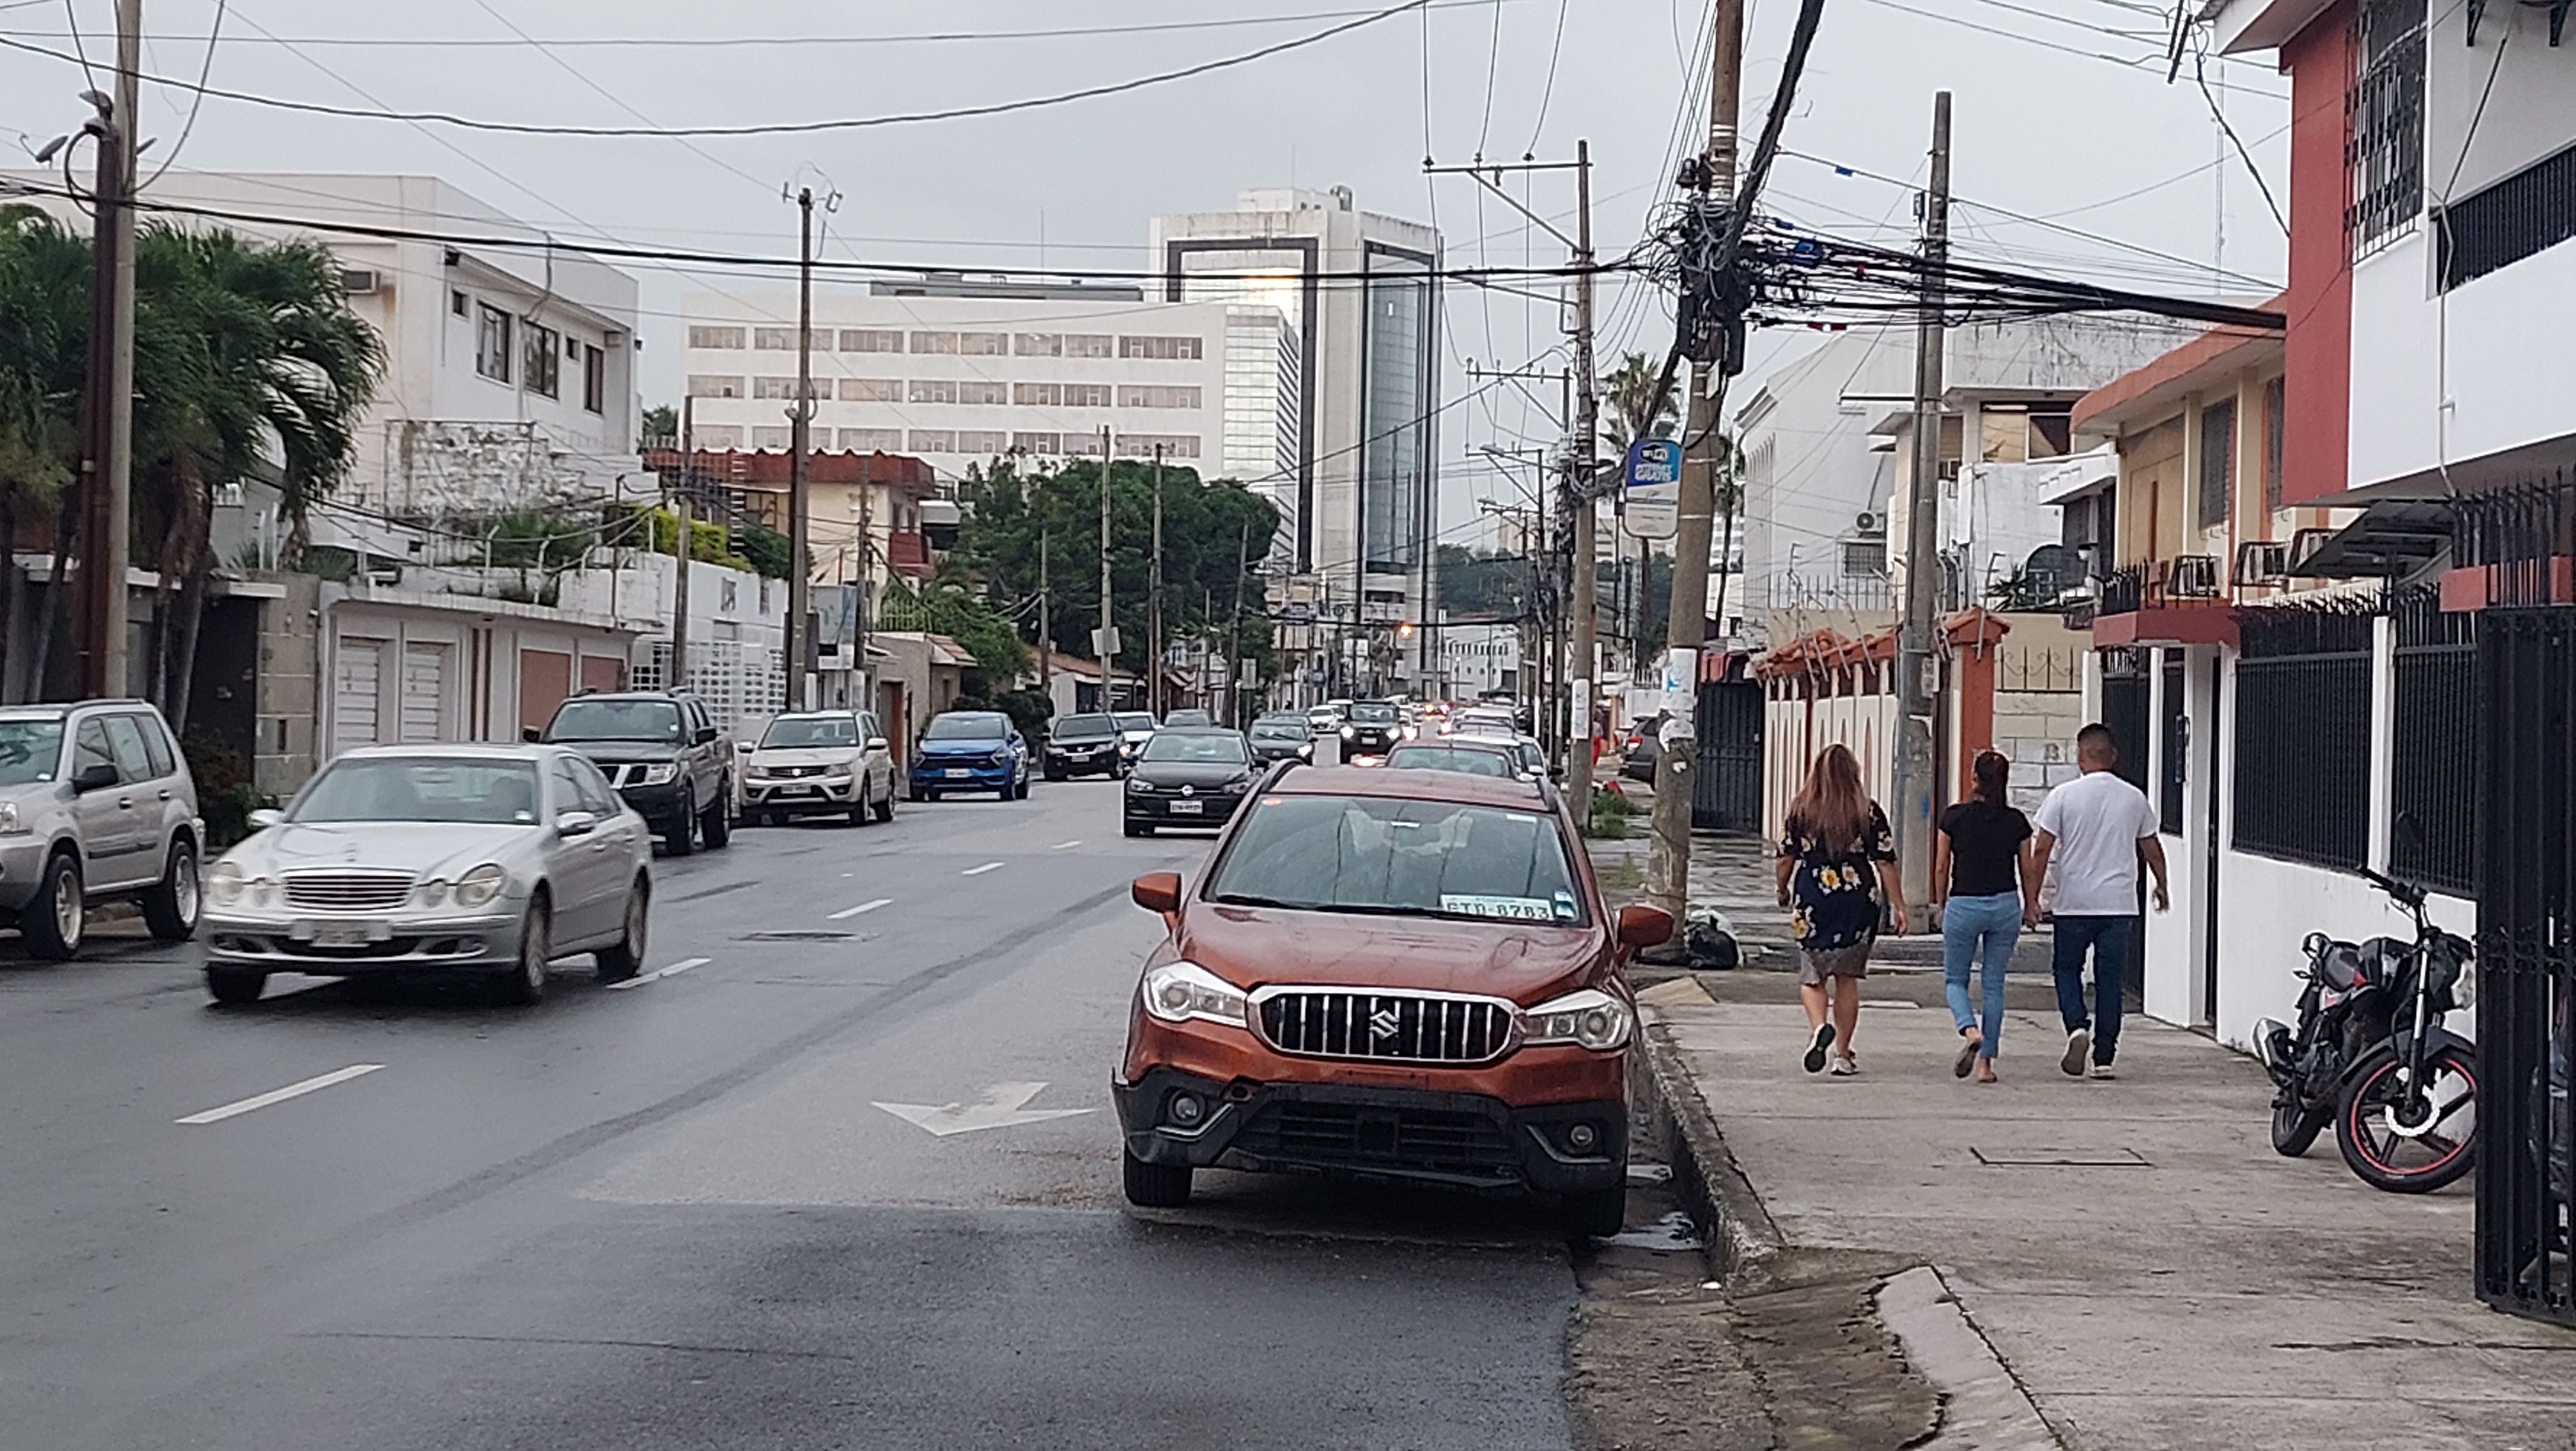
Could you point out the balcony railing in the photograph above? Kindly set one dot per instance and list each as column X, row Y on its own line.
column 2189, row 579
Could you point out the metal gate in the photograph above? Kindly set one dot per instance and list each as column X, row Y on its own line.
column 1726, row 788
column 2124, row 710
column 2526, row 877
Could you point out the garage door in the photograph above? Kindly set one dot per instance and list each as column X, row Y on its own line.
column 424, row 692
column 357, row 683
column 545, row 678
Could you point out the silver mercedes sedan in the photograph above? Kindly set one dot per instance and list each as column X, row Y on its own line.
column 435, row 859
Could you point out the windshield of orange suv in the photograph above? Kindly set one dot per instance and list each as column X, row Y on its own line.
column 1391, row 857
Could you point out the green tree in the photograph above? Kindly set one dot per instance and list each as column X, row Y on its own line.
column 659, row 427
column 1630, row 410
column 44, row 334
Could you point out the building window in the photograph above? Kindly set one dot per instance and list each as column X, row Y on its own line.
column 927, row 342
column 984, row 345
column 1089, row 345
column 716, row 339
column 719, row 435
column 2521, row 216
column 872, row 440
column 1039, row 345
column 544, row 365
column 773, row 437
column 1865, row 558
column 2217, row 461
column 594, row 378
column 933, row 390
column 2384, row 117
column 872, row 390
column 1062, row 395
column 1173, row 445
column 456, row 302
column 1157, row 396
column 933, row 440
column 709, row 385
column 2276, row 427
column 492, row 344
column 1165, row 348
column 976, row 390
column 773, row 387
column 2052, row 435
column 774, row 339
column 980, row 440
column 871, row 340
column 1040, row 444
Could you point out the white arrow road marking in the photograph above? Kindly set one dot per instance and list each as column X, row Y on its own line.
column 999, row 1109
column 849, row 912
column 1059, row 846
column 657, row 974
column 281, row 1095
column 979, row 871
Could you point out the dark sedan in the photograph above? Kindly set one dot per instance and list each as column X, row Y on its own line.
column 1193, row 776
column 1083, row 745
column 1277, row 738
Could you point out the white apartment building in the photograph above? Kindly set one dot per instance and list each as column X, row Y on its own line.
column 1359, row 299
column 509, row 374
column 959, row 372
column 1480, row 657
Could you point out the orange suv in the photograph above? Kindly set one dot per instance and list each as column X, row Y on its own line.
column 1388, row 974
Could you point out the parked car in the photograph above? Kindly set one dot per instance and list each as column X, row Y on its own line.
column 1372, row 730
column 664, row 754
column 971, row 750
column 1135, row 728
column 1474, row 755
column 825, row 762
column 1353, row 922
column 1190, row 776
column 1190, row 716
column 489, row 861
column 1637, row 761
column 1277, row 738
column 96, row 805
column 1325, row 719
column 1084, row 745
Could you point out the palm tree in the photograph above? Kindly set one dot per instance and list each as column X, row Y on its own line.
column 1631, row 410
column 44, row 335
column 254, row 367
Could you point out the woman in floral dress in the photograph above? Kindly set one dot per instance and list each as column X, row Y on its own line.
column 1837, row 855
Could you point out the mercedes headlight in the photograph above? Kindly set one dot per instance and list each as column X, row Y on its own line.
column 1179, row 991
column 223, row 884
column 1589, row 1018
column 660, row 773
column 481, row 885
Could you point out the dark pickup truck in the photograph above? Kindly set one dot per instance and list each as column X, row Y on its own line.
column 665, row 755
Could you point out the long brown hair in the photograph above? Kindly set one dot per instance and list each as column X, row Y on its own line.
column 1993, row 771
column 1833, row 807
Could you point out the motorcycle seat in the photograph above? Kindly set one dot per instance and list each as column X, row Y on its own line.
column 2339, row 966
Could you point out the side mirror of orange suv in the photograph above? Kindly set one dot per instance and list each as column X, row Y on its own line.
column 1160, row 892
column 1639, row 925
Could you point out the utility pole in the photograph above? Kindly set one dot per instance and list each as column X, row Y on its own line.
column 800, row 642
column 1046, row 632
column 863, row 609
column 1914, row 765
column 107, row 498
column 1154, row 595
column 1104, row 643
column 1234, row 637
column 1668, row 855
column 1582, row 474
column 677, row 677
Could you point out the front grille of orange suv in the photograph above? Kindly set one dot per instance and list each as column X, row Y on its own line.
column 1385, row 1027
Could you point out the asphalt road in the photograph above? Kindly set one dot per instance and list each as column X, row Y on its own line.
column 675, row 1214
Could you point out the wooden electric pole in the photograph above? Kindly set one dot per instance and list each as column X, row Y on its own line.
column 1104, row 642
column 1922, row 604
column 1582, row 470
column 799, row 635
column 1154, row 598
column 677, row 676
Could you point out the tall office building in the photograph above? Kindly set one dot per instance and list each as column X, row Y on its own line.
column 1358, row 297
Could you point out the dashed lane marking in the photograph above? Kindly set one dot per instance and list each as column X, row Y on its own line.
column 1060, row 846
column 979, row 871
column 659, row 973
column 281, row 1095
column 848, row 912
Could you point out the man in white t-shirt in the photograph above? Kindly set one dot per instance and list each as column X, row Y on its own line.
column 2096, row 829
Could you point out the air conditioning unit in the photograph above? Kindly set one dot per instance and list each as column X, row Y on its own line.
column 361, row 281
column 2263, row 564
column 1870, row 523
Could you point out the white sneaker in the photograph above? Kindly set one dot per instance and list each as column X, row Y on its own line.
column 2103, row 1070
column 2079, row 1044
column 1844, row 1067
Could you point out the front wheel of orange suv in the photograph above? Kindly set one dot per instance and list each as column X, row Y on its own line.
column 1156, row 1186
column 1599, row 1213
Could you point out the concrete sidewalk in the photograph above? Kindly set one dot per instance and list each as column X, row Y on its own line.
column 2111, row 1266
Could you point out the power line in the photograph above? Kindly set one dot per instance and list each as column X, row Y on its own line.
column 776, row 128
column 214, row 33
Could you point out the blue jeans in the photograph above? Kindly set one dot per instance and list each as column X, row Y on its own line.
column 1979, row 931
column 2109, row 939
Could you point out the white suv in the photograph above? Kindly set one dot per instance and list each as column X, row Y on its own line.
column 96, row 804
column 819, row 762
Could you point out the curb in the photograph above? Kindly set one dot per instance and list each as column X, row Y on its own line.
column 1722, row 1202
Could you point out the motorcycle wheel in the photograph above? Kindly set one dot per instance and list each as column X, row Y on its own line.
column 2386, row 1150
column 2294, row 1128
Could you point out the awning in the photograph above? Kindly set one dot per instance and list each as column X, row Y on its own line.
column 2392, row 537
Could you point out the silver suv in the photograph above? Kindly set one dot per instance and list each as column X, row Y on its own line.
column 96, row 804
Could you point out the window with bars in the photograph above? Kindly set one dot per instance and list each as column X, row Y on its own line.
column 2217, row 461
column 2384, row 121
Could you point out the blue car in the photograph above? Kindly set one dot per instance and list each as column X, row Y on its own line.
column 971, row 750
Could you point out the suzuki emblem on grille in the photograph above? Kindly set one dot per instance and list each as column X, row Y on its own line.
column 1383, row 1023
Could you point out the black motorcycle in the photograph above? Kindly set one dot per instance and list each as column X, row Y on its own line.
column 2370, row 1055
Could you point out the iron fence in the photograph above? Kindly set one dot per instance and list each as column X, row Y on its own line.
column 2303, row 734
column 2524, row 536
column 2437, row 748
column 2526, row 964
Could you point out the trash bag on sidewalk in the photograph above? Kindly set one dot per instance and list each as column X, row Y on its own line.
column 1708, row 941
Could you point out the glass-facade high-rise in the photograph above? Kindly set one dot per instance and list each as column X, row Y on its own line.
column 1395, row 424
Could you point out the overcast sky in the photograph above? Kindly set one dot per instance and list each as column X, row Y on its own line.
column 2050, row 124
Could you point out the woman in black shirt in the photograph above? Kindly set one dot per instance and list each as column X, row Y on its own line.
column 1986, row 894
